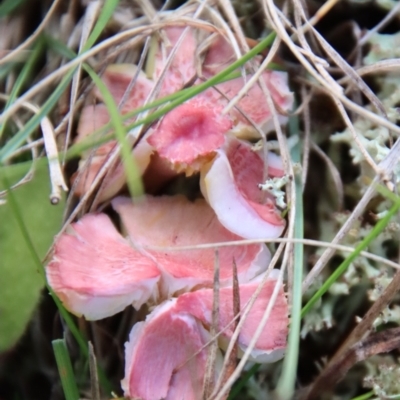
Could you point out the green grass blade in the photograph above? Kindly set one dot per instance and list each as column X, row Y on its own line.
column 34, row 122
column 105, row 15
column 287, row 380
column 65, row 370
column 23, row 76
column 6, row 69
column 8, row 6
column 133, row 175
column 377, row 229
column 364, row 396
column 239, row 385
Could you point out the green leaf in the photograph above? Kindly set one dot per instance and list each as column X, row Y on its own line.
column 21, row 282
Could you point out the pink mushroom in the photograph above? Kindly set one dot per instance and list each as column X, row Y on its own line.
column 96, row 273
column 230, row 185
column 118, row 78
column 175, row 221
column 172, row 340
column 189, row 136
column 95, row 265
column 165, row 358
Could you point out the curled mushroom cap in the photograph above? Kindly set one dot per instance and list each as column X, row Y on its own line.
column 182, row 68
column 170, row 221
column 96, row 273
column 253, row 105
column 118, row 78
column 190, row 134
column 271, row 344
column 230, row 185
column 160, row 357
column 92, row 118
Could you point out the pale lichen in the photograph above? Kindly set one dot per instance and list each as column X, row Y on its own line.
column 383, row 376
column 274, row 187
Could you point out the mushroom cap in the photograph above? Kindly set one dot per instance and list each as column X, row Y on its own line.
column 118, row 77
column 230, row 185
column 92, row 118
column 167, row 342
column 253, row 105
column 96, row 273
column 271, row 344
column 219, row 56
column 190, row 134
column 183, row 65
column 170, row 221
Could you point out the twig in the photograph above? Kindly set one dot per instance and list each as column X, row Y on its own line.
column 382, row 342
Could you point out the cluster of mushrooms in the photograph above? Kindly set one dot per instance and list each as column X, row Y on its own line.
column 158, row 258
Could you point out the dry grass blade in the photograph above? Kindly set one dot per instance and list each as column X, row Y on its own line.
column 236, row 311
column 350, row 72
column 56, row 174
column 232, row 352
column 334, row 173
column 91, row 15
column 320, row 13
column 16, row 53
column 94, row 379
column 307, row 135
column 209, row 377
column 243, row 315
column 317, row 71
column 390, row 15
column 379, row 67
column 256, row 77
column 355, row 134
